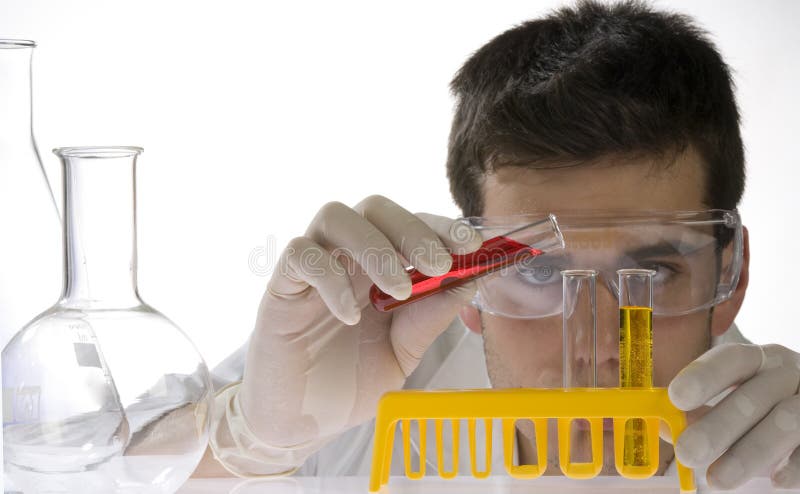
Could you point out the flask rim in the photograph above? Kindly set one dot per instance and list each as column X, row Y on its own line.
column 98, row 151
column 16, row 43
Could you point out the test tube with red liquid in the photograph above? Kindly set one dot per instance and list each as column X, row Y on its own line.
column 494, row 254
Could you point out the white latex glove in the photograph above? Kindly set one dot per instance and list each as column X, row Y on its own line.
column 754, row 429
column 320, row 356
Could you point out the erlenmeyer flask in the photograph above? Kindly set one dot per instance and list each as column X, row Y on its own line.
column 30, row 267
column 101, row 392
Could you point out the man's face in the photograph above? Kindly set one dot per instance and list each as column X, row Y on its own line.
column 528, row 352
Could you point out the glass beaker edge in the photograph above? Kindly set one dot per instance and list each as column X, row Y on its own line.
column 97, row 151
column 10, row 43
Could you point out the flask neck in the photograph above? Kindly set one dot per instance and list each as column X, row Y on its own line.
column 99, row 227
column 15, row 96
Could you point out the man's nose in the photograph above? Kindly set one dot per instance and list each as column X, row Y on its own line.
column 607, row 333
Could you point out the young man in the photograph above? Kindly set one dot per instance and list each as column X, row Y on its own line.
column 617, row 108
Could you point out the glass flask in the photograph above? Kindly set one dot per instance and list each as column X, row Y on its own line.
column 30, row 267
column 101, row 392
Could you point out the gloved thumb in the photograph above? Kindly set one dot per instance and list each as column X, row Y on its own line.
column 415, row 326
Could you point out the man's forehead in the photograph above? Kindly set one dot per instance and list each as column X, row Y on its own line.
column 636, row 241
column 633, row 236
column 633, row 184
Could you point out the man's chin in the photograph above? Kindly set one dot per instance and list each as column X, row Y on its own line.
column 608, row 454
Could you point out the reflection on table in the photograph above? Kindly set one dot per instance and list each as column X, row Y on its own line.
column 459, row 485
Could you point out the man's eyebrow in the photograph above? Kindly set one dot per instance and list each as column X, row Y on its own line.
column 662, row 248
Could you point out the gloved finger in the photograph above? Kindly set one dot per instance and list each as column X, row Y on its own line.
column 787, row 474
column 415, row 326
column 705, row 440
column 692, row 416
column 713, row 372
column 415, row 240
column 344, row 231
column 306, row 263
column 765, row 445
column 460, row 237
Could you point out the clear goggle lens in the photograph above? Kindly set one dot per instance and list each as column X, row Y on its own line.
column 696, row 255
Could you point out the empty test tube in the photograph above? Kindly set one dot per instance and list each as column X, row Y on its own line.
column 635, row 351
column 580, row 328
column 579, row 361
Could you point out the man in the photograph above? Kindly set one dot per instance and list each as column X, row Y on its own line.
column 617, row 108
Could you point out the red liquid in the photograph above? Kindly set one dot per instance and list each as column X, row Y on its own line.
column 494, row 254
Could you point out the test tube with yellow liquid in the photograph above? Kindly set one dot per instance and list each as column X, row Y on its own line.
column 635, row 352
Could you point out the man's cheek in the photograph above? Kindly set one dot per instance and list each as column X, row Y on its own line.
column 520, row 353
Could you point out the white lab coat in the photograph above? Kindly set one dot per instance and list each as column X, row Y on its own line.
column 454, row 361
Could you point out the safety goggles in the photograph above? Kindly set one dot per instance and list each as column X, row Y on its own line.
column 697, row 257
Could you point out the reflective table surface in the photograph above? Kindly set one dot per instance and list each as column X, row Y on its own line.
column 459, row 485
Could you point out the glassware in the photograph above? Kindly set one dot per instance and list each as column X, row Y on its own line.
column 513, row 247
column 636, row 351
column 580, row 328
column 580, row 357
column 101, row 392
column 30, row 266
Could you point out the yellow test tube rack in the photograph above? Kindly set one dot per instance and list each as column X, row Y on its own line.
column 538, row 405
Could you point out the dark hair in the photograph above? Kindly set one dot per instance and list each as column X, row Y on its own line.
column 593, row 81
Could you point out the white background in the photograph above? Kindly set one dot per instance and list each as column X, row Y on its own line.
column 254, row 114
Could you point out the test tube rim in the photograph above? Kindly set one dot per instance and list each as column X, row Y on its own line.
column 580, row 273
column 635, row 271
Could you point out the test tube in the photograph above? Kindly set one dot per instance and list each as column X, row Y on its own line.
column 580, row 328
column 635, row 351
column 580, row 359
column 496, row 253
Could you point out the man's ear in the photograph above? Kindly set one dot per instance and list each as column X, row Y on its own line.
column 471, row 317
column 725, row 313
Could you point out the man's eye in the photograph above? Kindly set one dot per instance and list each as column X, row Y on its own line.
column 540, row 274
column 665, row 271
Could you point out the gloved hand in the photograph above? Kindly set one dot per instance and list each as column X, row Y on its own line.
column 320, row 357
column 755, row 428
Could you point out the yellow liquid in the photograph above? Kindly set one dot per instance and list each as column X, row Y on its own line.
column 635, row 370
